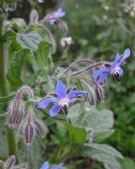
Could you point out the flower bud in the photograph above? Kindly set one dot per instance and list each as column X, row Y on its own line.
column 9, row 163
column 15, row 113
column 28, row 129
column 66, row 41
column 99, row 92
column 34, row 16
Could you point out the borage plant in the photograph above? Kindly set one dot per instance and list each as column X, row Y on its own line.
column 72, row 130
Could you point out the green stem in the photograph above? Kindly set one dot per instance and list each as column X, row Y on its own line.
column 4, row 92
column 11, row 141
column 3, row 85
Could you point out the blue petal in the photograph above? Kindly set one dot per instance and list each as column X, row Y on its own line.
column 100, row 71
column 57, row 166
column 61, row 89
column 115, row 62
column 97, row 73
column 102, row 78
column 74, row 93
column 120, row 70
column 45, row 165
column 127, row 53
column 52, row 21
column 54, row 110
column 117, row 58
column 45, row 102
column 60, row 12
column 125, row 56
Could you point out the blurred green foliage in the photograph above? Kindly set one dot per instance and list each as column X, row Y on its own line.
column 100, row 29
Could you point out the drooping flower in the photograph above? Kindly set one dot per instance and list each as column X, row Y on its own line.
column 62, row 100
column 31, row 126
column 113, row 68
column 16, row 108
column 46, row 165
column 52, row 17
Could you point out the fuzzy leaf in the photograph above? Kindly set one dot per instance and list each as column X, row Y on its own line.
column 112, row 164
column 101, row 122
column 9, row 35
column 14, row 71
column 29, row 40
column 30, row 154
column 101, row 135
column 43, row 54
column 105, row 149
column 103, row 153
column 128, row 163
column 98, row 120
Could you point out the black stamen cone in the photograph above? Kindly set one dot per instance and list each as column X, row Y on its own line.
column 116, row 76
column 65, row 109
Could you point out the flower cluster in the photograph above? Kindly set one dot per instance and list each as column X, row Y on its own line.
column 24, row 117
column 62, row 100
column 113, row 68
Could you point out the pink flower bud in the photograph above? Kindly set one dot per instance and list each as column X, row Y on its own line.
column 99, row 92
column 9, row 163
column 28, row 129
column 15, row 113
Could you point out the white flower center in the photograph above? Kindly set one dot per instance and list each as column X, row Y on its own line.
column 115, row 70
column 64, row 102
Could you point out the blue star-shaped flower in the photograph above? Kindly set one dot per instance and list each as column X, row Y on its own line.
column 62, row 100
column 113, row 68
column 51, row 17
column 46, row 165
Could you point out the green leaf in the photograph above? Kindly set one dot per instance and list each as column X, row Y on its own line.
column 105, row 149
column 78, row 134
column 9, row 35
column 103, row 153
column 43, row 54
column 101, row 135
column 98, row 120
column 128, row 163
column 60, row 152
column 13, row 48
column 29, row 40
column 101, row 122
column 14, row 71
column 30, row 154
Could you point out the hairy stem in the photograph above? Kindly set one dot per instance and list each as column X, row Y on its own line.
column 11, row 141
column 3, row 85
column 90, row 67
column 4, row 92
